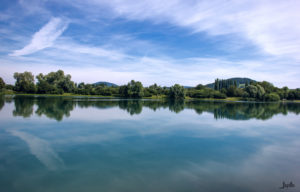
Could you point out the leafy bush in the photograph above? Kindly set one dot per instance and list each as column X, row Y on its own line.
column 272, row 97
column 177, row 92
column 218, row 95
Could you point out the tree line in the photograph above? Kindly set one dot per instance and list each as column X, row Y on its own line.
column 59, row 83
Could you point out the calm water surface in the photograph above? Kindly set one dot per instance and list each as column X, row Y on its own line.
column 65, row 144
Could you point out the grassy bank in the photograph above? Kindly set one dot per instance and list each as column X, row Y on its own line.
column 116, row 97
column 60, row 95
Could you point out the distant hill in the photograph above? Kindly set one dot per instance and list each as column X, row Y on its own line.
column 240, row 82
column 108, row 84
column 188, row 87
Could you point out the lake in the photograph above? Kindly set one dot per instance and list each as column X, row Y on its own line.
column 75, row 144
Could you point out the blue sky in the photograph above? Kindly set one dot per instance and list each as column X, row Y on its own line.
column 153, row 41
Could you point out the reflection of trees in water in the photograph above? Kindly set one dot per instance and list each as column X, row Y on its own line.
column 23, row 106
column 176, row 105
column 155, row 104
column 54, row 107
column 292, row 107
column 245, row 110
column 1, row 101
column 58, row 107
column 101, row 104
column 131, row 106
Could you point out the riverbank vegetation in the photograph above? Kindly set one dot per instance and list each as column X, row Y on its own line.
column 59, row 83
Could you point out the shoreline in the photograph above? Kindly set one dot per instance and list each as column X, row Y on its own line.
column 228, row 99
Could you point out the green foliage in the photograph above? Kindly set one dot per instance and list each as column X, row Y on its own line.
column 200, row 86
column 260, row 92
column 285, row 92
column 239, row 92
column 272, row 97
column 123, row 91
column 294, row 94
column 255, row 91
column 134, row 89
column 105, row 91
column 85, row 89
column 9, row 87
column 252, row 91
column 55, row 83
column 219, row 84
column 268, row 87
column 231, row 91
column 153, row 90
column 147, row 92
column 177, row 92
column 24, row 82
column 2, row 84
column 45, row 87
column 205, row 92
column 218, row 95
column 59, row 83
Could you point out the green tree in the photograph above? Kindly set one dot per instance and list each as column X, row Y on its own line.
column 200, row 86
column 255, row 91
column 104, row 90
column 285, row 92
column 294, row 94
column 154, row 90
column 123, row 91
column 260, row 92
column 177, row 92
column 218, row 95
column 217, row 84
column 55, row 82
column 268, row 87
column 246, row 84
column 232, row 91
column 272, row 97
column 2, row 84
column 251, row 90
column 239, row 92
column 134, row 89
column 24, row 82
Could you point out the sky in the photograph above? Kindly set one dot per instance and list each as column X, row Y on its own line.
column 189, row 42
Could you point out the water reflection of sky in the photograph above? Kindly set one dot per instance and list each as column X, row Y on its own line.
column 160, row 150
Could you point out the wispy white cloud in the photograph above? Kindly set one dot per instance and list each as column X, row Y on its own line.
column 272, row 26
column 101, row 63
column 44, row 37
column 99, row 52
column 91, row 50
